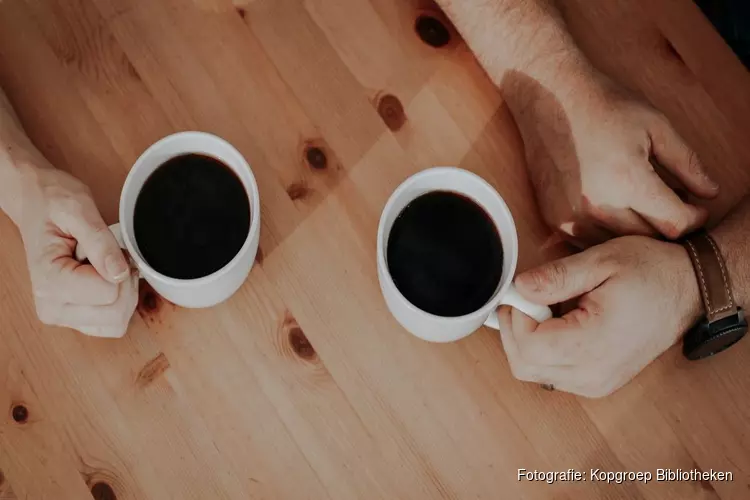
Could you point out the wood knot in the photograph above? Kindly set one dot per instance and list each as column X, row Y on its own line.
column 298, row 190
column 432, row 31
column 152, row 370
column 19, row 413
column 296, row 338
column 300, row 344
column 149, row 302
column 241, row 12
column 391, row 111
column 149, row 299
column 103, row 491
column 316, row 157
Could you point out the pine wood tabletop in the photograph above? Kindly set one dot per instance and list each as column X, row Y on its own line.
column 302, row 385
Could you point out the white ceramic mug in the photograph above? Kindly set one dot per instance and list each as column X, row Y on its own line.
column 448, row 329
column 220, row 285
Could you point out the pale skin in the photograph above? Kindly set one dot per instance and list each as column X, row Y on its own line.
column 54, row 212
column 590, row 147
column 634, row 296
column 588, row 142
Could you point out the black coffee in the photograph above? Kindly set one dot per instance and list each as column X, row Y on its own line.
column 444, row 254
column 192, row 216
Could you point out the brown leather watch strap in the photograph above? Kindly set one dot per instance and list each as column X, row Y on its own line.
column 713, row 278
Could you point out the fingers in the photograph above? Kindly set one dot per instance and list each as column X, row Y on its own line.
column 585, row 234
column 65, row 280
column 676, row 156
column 624, row 221
column 664, row 210
column 107, row 320
column 523, row 364
column 566, row 278
column 98, row 243
column 555, row 342
column 555, row 360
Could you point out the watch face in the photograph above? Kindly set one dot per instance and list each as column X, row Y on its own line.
column 718, row 342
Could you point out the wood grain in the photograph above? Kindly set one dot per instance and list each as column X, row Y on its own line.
column 302, row 385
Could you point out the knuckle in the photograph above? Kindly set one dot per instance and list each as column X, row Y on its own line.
column 68, row 204
column 554, row 274
column 99, row 230
column 110, row 295
column 610, row 257
column 675, row 228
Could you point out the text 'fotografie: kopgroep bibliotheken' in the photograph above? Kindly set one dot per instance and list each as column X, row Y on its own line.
column 619, row 477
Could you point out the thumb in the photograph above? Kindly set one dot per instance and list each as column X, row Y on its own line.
column 100, row 246
column 566, row 278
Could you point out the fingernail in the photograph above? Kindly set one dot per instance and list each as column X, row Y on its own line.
column 116, row 267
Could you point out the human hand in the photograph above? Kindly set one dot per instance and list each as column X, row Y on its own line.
column 590, row 153
column 635, row 297
column 56, row 212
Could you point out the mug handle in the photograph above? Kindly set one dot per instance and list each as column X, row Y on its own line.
column 80, row 255
column 512, row 298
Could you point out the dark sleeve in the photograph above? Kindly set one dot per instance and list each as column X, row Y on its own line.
column 732, row 20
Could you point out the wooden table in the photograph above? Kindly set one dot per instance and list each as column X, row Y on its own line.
column 302, row 385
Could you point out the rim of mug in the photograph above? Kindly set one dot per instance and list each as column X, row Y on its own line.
column 507, row 279
column 140, row 262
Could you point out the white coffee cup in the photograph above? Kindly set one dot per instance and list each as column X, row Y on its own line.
column 220, row 285
column 448, row 329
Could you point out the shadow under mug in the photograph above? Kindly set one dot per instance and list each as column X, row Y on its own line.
column 448, row 329
column 216, row 287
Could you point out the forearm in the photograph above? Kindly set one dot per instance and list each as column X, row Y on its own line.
column 522, row 36
column 18, row 159
column 731, row 237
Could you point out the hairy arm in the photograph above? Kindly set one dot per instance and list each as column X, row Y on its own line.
column 525, row 36
column 590, row 144
column 731, row 237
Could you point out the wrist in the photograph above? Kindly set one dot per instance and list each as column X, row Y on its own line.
column 688, row 291
column 567, row 77
column 578, row 92
column 731, row 244
column 17, row 181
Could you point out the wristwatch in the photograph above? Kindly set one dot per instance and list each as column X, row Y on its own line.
column 725, row 322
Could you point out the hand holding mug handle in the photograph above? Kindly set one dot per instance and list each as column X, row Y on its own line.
column 512, row 298
column 80, row 255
